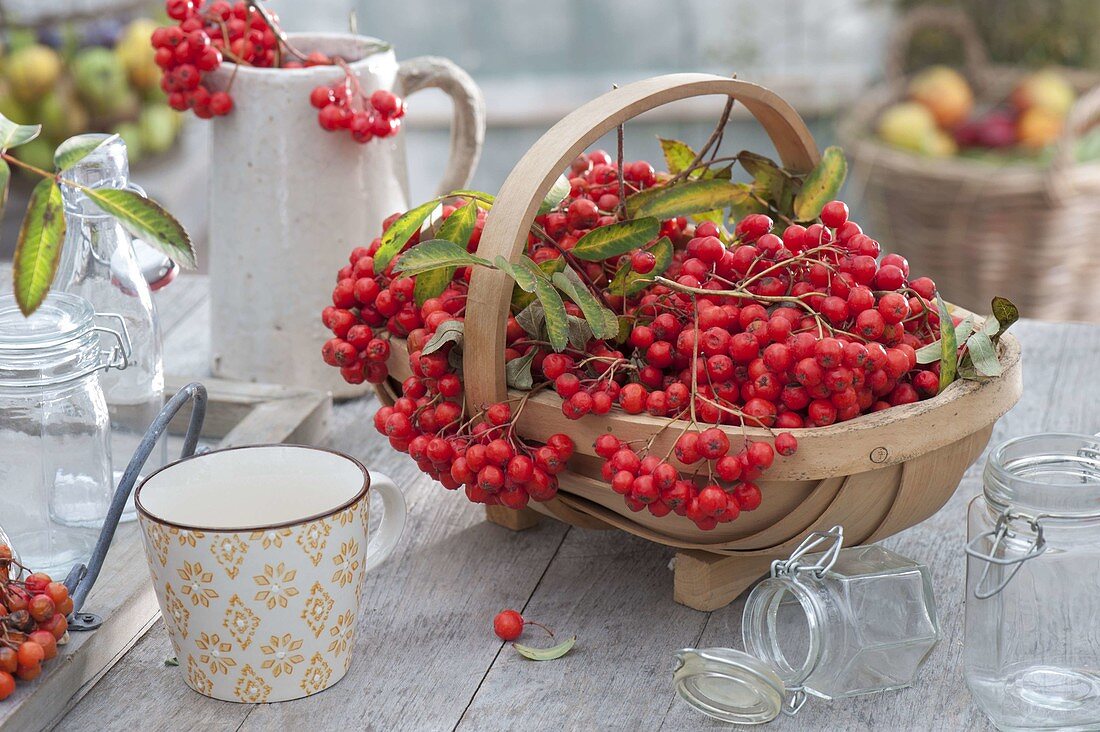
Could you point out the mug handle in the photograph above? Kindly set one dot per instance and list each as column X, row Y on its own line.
column 388, row 534
column 468, row 126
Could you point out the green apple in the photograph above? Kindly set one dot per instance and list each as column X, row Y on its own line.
column 907, row 125
column 32, row 71
column 158, row 124
column 100, row 80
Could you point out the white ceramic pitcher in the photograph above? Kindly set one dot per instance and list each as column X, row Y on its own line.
column 289, row 201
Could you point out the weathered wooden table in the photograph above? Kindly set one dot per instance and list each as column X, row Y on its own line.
column 427, row 659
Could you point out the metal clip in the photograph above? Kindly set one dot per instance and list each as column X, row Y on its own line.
column 119, row 357
column 794, row 701
column 1001, row 531
column 825, row 562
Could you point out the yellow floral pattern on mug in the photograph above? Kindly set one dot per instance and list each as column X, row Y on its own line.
column 266, row 615
column 240, row 621
column 270, row 537
column 215, row 653
column 251, row 687
column 317, row 675
column 343, row 633
column 312, row 538
column 347, row 563
column 178, row 615
column 229, row 550
column 278, row 585
column 281, row 654
column 318, row 606
column 196, row 583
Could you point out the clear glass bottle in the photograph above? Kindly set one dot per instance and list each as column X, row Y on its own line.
column 55, row 451
column 1032, row 646
column 832, row 624
column 99, row 264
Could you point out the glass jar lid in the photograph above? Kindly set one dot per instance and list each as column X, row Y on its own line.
column 1049, row 476
column 58, row 343
column 729, row 685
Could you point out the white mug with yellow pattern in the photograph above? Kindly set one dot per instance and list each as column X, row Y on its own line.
column 258, row 556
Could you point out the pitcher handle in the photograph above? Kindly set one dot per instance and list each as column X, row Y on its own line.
column 388, row 534
column 82, row 578
column 468, row 126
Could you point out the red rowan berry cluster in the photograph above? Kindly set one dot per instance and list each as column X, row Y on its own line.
column 33, row 611
column 208, row 33
column 766, row 327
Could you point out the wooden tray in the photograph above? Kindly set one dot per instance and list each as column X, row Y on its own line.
column 237, row 414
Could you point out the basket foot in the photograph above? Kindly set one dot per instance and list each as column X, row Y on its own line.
column 509, row 518
column 705, row 581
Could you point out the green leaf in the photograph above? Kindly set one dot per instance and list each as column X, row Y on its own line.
column 482, row 199
column 460, row 225
column 450, row 331
column 399, row 233
column 146, row 220
column 678, row 155
column 517, row 372
column 684, row 199
column 770, row 182
column 432, row 284
column 545, row 654
column 14, row 135
column 821, row 185
column 532, row 319
column 612, row 240
column 555, row 195
column 557, row 322
column 580, row 332
column 629, row 282
column 5, row 180
column 522, row 298
column 435, row 254
column 603, row 322
column 523, row 277
column 1005, row 312
column 171, row 661
column 39, row 247
column 949, row 347
column 932, row 352
column 75, row 149
column 983, row 354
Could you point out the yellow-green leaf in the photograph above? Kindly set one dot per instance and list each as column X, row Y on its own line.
column 75, row 149
column 612, row 240
column 769, row 182
column 522, row 296
column 435, row 254
column 678, row 155
column 629, row 282
column 459, row 225
column 557, row 321
column 482, row 199
column 13, row 134
column 821, row 185
column 603, row 322
column 545, row 654
column 949, row 347
column 39, row 247
column 1005, row 312
column 684, row 199
column 555, row 195
column 432, row 284
column 146, row 220
column 399, row 233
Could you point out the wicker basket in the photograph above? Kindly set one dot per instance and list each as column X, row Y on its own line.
column 875, row 475
column 1020, row 230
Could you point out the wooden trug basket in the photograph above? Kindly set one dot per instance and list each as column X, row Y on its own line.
column 875, row 475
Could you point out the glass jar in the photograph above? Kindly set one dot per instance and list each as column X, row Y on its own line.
column 833, row 624
column 55, row 453
column 1032, row 650
column 99, row 263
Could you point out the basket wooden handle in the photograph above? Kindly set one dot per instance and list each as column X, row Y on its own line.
column 951, row 20
column 516, row 205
